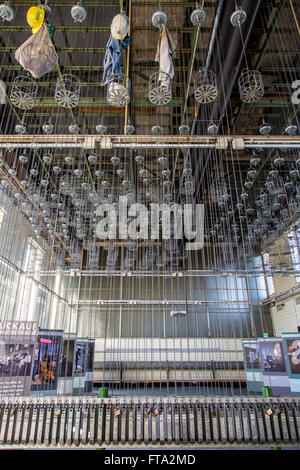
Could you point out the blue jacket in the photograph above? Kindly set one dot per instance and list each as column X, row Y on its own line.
column 111, row 63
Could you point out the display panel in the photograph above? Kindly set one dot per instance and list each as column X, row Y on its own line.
column 17, row 341
column 91, row 351
column 67, row 358
column 252, row 356
column 272, row 357
column 80, row 357
column 46, row 361
column 16, row 360
column 293, row 348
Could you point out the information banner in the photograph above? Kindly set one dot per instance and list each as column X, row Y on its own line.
column 46, row 361
column 291, row 348
column 252, row 363
column 90, row 366
column 17, row 342
column 67, row 364
column 81, row 362
column 273, row 366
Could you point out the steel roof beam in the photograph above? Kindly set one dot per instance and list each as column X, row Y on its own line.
column 100, row 4
column 90, row 142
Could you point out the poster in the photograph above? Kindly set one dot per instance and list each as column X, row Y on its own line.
column 293, row 350
column 17, row 342
column 90, row 366
column 252, row 356
column 91, row 352
column 67, row 358
column 80, row 357
column 46, row 360
column 272, row 357
column 16, row 360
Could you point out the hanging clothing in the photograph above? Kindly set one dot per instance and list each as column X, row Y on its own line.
column 165, row 52
column 111, row 63
column 37, row 54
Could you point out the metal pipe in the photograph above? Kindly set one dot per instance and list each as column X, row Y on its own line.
column 65, row 145
column 273, row 146
column 295, row 16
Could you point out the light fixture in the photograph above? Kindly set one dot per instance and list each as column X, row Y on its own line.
column 48, row 127
column 291, row 129
column 159, row 18
column 265, row 129
column 212, row 129
column 20, row 128
column 6, row 12
column 238, row 17
column 139, row 159
column 23, row 158
column 101, row 129
column 74, row 129
column 198, row 16
column 47, row 158
column 92, row 159
column 156, row 130
column 130, row 129
column 78, row 13
column 184, row 129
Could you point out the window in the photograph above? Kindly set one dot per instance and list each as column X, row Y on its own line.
column 294, row 243
column 28, row 288
column 55, row 300
column 2, row 212
column 269, row 277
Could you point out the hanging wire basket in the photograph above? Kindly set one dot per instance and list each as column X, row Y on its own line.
column 129, row 259
column 112, row 256
column 205, row 86
column 93, row 257
column 118, row 91
column 251, row 86
column 160, row 89
column 23, row 92
column 188, row 186
column 67, row 91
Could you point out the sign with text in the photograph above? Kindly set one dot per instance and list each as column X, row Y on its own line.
column 17, row 342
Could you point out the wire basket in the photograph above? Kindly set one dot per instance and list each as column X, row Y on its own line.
column 93, row 258
column 251, row 86
column 67, row 91
column 23, row 92
column 160, row 89
column 112, row 256
column 118, row 91
column 205, row 86
column 188, row 186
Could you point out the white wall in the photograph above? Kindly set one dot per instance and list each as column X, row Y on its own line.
column 285, row 313
column 168, row 349
column 287, row 319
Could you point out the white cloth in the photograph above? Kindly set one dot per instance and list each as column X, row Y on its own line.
column 164, row 53
column 37, row 54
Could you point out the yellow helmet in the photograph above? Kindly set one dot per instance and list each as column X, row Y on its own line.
column 35, row 18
